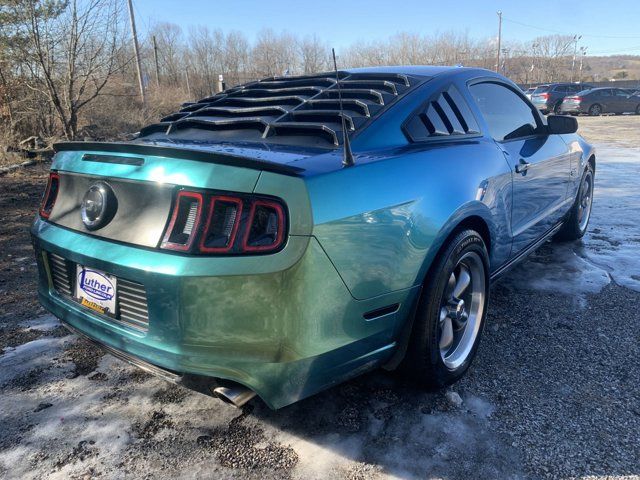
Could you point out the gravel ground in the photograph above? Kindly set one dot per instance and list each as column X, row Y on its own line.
column 553, row 393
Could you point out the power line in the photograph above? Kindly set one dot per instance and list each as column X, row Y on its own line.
column 620, row 37
column 615, row 51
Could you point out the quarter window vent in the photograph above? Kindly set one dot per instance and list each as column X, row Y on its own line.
column 445, row 115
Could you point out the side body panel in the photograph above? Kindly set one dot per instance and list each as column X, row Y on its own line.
column 381, row 222
column 539, row 191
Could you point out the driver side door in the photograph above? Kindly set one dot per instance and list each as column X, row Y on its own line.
column 540, row 163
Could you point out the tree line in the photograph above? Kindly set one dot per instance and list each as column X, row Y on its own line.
column 67, row 68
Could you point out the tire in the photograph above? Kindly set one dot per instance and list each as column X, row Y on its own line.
column 429, row 361
column 556, row 108
column 595, row 110
column 575, row 226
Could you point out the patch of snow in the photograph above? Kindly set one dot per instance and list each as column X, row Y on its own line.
column 611, row 247
column 45, row 323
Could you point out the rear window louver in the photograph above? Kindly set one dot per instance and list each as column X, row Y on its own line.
column 445, row 115
column 303, row 109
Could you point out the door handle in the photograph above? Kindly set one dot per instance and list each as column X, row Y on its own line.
column 522, row 166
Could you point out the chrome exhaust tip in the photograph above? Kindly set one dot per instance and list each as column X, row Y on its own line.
column 236, row 395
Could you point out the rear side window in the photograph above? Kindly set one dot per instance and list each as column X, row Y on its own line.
column 605, row 93
column 446, row 114
column 561, row 88
column 506, row 114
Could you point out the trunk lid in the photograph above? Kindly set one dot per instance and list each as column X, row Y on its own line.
column 144, row 180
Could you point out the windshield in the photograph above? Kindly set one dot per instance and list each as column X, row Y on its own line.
column 541, row 89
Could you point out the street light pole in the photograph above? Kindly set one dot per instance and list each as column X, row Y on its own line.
column 499, row 40
column 575, row 51
column 583, row 52
column 505, row 53
column 533, row 62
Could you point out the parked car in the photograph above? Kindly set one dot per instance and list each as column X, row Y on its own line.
column 529, row 91
column 239, row 247
column 548, row 98
column 602, row 100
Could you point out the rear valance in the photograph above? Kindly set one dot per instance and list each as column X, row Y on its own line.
column 195, row 154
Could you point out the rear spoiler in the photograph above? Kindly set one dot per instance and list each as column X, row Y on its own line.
column 198, row 155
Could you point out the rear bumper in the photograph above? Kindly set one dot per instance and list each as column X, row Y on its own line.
column 572, row 108
column 544, row 107
column 283, row 325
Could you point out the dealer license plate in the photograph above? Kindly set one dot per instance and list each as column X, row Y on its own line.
column 96, row 290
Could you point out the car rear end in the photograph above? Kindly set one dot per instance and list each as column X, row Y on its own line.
column 542, row 98
column 201, row 269
column 575, row 104
column 192, row 248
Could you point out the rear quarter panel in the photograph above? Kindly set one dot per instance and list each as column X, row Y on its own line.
column 382, row 221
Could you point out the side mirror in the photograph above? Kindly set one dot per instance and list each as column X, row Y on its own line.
column 561, row 124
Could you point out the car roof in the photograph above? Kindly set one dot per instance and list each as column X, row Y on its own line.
column 417, row 70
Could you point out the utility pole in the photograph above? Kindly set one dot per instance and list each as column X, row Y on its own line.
column 499, row 40
column 186, row 74
column 155, row 58
column 575, row 51
column 136, row 50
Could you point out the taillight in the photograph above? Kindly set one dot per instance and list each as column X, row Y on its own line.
column 184, row 221
column 544, row 95
column 231, row 224
column 265, row 227
column 222, row 224
column 50, row 195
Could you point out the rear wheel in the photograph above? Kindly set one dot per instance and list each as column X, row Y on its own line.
column 556, row 108
column 575, row 226
column 595, row 110
column 450, row 317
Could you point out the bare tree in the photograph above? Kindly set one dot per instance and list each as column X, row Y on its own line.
column 171, row 52
column 274, row 54
column 69, row 52
column 314, row 55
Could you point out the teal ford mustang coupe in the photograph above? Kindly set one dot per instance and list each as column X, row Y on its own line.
column 240, row 248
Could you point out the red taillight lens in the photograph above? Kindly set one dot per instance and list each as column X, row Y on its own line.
column 544, row 95
column 265, row 230
column 231, row 224
column 185, row 221
column 222, row 224
column 50, row 195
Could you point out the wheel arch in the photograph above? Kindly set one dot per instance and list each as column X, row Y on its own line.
column 474, row 221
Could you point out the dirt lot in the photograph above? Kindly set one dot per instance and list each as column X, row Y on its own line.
column 553, row 393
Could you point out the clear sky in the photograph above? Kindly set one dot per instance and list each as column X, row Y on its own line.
column 607, row 27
